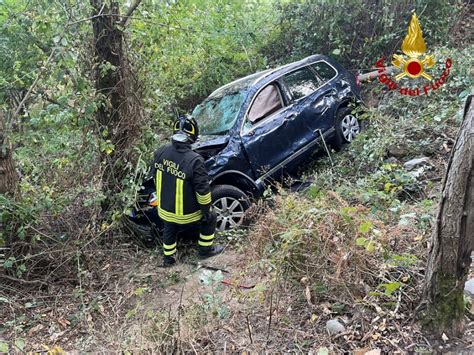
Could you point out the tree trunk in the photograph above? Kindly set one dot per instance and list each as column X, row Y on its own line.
column 453, row 238
column 120, row 116
column 8, row 174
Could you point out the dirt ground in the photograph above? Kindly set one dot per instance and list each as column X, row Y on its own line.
column 135, row 306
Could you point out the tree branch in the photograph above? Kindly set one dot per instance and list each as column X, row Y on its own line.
column 34, row 83
column 129, row 13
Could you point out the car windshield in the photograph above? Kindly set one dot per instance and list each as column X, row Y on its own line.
column 217, row 114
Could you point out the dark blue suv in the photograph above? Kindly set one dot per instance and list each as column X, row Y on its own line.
column 256, row 128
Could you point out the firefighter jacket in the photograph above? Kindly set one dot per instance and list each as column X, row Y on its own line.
column 182, row 184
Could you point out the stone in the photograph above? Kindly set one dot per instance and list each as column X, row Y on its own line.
column 334, row 327
column 407, row 219
column 391, row 160
column 469, row 288
column 411, row 164
column 397, row 151
column 417, row 172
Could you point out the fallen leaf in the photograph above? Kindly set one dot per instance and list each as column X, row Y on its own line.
column 63, row 322
column 20, row 343
column 308, row 295
column 376, row 336
column 55, row 336
column 3, row 347
column 35, row 329
column 57, row 350
column 444, row 337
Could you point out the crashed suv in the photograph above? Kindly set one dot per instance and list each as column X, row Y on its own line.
column 258, row 127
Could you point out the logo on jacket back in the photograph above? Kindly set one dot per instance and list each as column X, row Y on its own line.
column 413, row 64
column 171, row 168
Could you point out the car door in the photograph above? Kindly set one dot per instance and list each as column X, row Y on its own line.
column 266, row 134
column 302, row 86
column 326, row 97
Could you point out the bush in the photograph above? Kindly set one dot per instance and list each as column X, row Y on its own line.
column 356, row 33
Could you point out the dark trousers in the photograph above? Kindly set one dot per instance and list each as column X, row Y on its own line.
column 206, row 235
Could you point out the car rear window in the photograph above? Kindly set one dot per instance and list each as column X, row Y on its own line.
column 324, row 70
column 301, row 83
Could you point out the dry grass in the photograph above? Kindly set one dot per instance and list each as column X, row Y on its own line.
column 318, row 272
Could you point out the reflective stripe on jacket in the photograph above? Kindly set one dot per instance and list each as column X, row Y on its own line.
column 182, row 184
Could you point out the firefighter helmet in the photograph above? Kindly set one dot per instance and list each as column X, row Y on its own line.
column 185, row 130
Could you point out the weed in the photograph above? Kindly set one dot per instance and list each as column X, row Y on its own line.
column 213, row 301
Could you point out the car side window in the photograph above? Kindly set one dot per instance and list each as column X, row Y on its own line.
column 324, row 70
column 301, row 83
column 265, row 103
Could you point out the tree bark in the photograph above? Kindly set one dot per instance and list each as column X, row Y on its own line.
column 8, row 174
column 453, row 238
column 120, row 115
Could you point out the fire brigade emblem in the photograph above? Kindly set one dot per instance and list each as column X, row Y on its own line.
column 414, row 47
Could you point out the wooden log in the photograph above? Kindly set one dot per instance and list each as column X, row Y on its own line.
column 375, row 74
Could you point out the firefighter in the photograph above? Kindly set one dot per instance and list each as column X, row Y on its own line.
column 183, row 191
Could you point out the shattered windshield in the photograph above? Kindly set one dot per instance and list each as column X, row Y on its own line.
column 217, row 114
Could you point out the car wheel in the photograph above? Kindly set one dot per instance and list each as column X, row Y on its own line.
column 230, row 204
column 347, row 128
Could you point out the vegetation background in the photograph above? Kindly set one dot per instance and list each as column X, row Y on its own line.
column 62, row 226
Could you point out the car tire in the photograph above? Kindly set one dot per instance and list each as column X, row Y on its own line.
column 230, row 204
column 347, row 128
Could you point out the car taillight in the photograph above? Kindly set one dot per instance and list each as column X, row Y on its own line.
column 153, row 200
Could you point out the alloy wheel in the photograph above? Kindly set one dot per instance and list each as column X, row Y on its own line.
column 350, row 127
column 230, row 213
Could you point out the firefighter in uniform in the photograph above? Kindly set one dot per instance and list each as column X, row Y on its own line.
column 183, row 191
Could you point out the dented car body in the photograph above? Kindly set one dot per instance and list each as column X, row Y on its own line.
column 257, row 128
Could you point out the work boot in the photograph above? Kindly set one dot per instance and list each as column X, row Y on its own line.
column 210, row 251
column 168, row 261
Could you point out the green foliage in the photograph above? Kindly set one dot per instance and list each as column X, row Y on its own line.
column 213, row 301
column 354, row 32
column 390, row 288
column 189, row 48
column 360, row 173
column 3, row 347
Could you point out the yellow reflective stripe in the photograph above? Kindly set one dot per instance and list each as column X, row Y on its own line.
column 205, row 244
column 184, row 219
column 179, row 197
column 176, row 198
column 206, row 237
column 169, row 246
column 159, row 176
column 168, row 253
column 204, row 199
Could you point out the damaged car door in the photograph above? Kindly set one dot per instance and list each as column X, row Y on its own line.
column 267, row 131
column 311, row 104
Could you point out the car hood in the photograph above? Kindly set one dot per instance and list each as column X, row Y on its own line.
column 210, row 141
